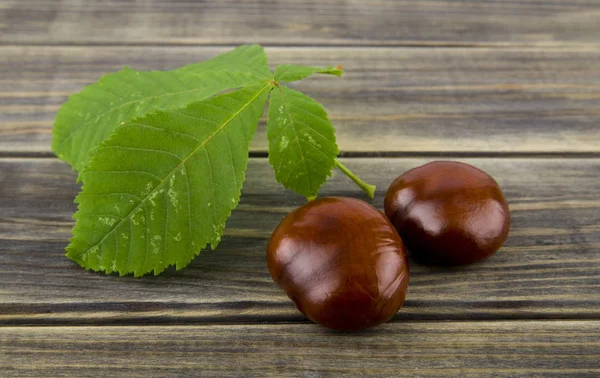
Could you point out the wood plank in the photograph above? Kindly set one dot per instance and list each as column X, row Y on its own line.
column 548, row 269
column 448, row 100
column 407, row 349
column 325, row 22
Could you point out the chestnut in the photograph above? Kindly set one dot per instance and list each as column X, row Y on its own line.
column 448, row 213
column 341, row 262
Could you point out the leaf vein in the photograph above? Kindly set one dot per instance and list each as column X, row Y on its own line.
column 130, row 246
column 111, row 194
column 193, row 117
column 98, row 215
column 164, row 252
column 146, row 223
column 187, row 183
column 118, row 147
column 126, row 172
column 165, row 130
column 231, row 157
column 295, row 134
column 212, row 185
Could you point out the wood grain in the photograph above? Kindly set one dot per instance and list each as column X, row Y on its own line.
column 407, row 349
column 548, row 269
column 417, row 100
column 504, row 80
column 325, row 22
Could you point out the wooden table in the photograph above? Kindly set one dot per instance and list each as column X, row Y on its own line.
column 512, row 87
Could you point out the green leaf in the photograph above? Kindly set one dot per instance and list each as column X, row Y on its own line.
column 161, row 187
column 290, row 72
column 302, row 147
column 250, row 59
column 92, row 115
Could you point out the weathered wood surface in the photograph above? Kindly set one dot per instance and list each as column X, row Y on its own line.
column 548, row 269
column 503, row 80
column 432, row 99
column 324, row 22
column 409, row 349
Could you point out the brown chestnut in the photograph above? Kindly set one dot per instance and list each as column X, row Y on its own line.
column 448, row 213
column 341, row 262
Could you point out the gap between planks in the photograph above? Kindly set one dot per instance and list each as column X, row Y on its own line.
column 381, row 154
column 153, row 313
column 304, row 322
column 349, row 44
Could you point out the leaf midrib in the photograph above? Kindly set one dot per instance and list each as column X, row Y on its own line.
column 183, row 161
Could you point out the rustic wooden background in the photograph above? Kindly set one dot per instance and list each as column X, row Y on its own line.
column 512, row 87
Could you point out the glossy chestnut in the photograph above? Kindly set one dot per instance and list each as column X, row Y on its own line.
column 341, row 262
column 448, row 213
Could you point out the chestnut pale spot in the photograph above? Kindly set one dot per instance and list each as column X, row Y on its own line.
column 341, row 262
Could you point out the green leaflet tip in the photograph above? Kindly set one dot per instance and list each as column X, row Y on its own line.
column 337, row 71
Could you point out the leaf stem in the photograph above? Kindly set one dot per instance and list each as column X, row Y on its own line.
column 369, row 189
